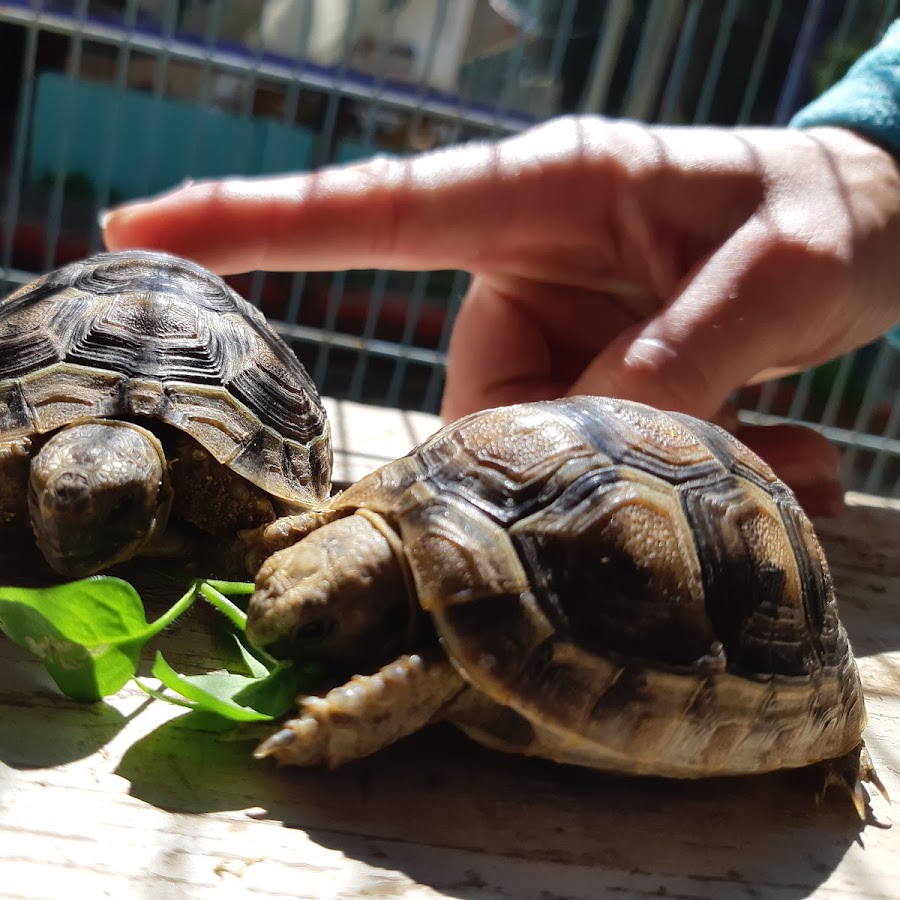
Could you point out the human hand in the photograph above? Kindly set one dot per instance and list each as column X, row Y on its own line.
column 667, row 265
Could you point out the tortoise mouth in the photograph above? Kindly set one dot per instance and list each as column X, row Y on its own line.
column 86, row 551
column 79, row 536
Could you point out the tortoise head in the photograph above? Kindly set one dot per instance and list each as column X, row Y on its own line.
column 98, row 492
column 339, row 596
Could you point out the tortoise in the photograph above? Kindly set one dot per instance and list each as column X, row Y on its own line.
column 135, row 387
column 589, row 580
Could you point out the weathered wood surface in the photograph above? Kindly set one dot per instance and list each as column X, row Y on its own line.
column 120, row 800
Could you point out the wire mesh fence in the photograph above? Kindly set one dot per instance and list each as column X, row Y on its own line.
column 106, row 101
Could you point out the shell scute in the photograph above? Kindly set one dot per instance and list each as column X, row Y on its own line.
column 507, row 470
column 617, row 561
column 646, row 439
column 61, row 393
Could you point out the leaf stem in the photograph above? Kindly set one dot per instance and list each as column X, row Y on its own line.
column 212, row 595
column 172, row 613
column 238, row 588
column 162, row 695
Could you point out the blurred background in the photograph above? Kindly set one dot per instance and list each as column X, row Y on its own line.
column 105, row 101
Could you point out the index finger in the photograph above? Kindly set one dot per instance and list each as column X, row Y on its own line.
column 437, row 210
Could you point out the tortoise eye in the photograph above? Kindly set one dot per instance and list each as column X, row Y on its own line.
column 314, row 631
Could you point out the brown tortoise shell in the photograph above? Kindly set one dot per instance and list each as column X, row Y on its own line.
column 149, row 336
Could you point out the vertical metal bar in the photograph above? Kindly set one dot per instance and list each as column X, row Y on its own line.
column 561, row 38
column 681, row 62
column 417, row 298
column 440, row 18
column 295, row 297
column 651, row 65
column 876, row 480
column 373, row 313
column 160, row 80
column 210, row 39
column 244, row 159
column 373, row 106
column 326, row 140
column 291, row 106
column 257, row 282
column 379, row 286
column 460, row 279
column 799, row 65
column 767, row 396
column 835, row 395
column 339, row 279
column 890, row 13
column 513, row 66
column 874, row 388
column 436, row 380
column 120, row 83
column 603, row 65
column 323, row 351
column 840, row 35
column 758, row 69
column 802, row 390
column 20, row 145
column 714, row 69
column 57, row 195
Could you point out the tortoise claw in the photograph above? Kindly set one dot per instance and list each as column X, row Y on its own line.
column 301, row 742
column 274, row 743
column 849, row 773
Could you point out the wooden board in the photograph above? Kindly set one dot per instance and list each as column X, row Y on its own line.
column 119, row 799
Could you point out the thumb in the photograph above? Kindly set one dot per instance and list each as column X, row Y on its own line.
column 733, row 318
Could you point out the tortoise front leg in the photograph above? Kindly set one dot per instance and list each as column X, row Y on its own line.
column 367, row 713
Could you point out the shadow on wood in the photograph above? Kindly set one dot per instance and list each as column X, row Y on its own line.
column 440, row 791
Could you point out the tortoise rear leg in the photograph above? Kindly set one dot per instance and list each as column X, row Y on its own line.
column 367, row 713
column 849, row 772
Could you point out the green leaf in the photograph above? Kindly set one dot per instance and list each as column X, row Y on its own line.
column 260, row 697
column 256, row 668
column 88, row 633
column 213, row 692
column 277, row 693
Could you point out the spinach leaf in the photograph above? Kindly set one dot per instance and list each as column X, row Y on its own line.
column 89, row 633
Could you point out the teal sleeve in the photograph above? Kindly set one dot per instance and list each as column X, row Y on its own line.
column 866, row 99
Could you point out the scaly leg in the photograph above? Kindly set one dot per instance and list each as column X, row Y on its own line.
column 367, row 713
column 848, row 773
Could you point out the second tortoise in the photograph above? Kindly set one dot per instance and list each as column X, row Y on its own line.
column 589, row 580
